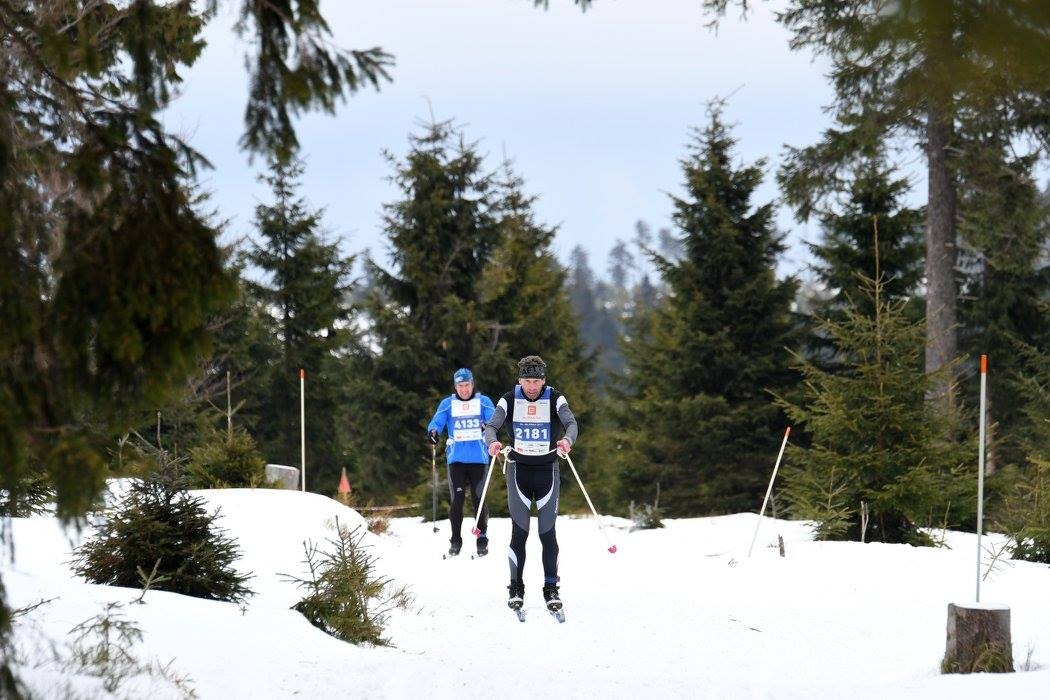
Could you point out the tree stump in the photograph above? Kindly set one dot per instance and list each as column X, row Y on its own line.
column 978, row 639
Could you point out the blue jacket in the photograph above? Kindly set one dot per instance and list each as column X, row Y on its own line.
column 463, row 421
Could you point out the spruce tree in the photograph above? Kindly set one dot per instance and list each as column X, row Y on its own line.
column 599, row 330
column 423, row 312
column 108, row 271
column 877, row 467
column 526, row 302
column 846, row 252
column 699, row 420
column 1005, row 291
column 306, row 292
column 524, row 294
column 922, row 70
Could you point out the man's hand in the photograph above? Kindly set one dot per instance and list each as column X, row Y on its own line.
column 494, row 447
column 433, row 435
column 564, row 446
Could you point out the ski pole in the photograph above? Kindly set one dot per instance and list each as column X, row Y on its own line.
column 769, row 489
column 434, row 489
column 485, row 489
column 612, row 547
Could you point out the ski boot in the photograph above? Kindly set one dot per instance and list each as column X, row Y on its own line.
column 483, row 546
column 454, row 547
column 516, row 597
column 551, row 598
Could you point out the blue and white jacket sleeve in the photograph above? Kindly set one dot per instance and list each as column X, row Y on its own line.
column 440, row 420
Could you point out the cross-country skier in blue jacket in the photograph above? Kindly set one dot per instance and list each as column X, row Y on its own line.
column 462, row 415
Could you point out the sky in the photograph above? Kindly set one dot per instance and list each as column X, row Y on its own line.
column 594, row 108
column 678, row 612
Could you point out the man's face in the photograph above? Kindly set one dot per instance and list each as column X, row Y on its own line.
column 531, row 387
column 464, row 390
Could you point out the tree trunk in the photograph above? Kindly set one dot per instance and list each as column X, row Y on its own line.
column 978, row 640
column 941, row 253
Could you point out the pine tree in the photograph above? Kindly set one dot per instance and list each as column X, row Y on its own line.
column 598, row 327
column 524, row 289
column 698, row 420
column 877, row 468
column 108, row 272
column 846, row 252
column 920, row 69
column 423, row 313
column 1004, row 303
column 307, row 295
column 524, row 295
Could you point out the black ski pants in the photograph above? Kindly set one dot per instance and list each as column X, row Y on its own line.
column 460, row 477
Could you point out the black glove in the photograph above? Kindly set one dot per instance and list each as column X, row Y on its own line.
column 433, row 435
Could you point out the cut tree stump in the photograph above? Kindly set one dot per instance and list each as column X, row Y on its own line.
column 978, row 639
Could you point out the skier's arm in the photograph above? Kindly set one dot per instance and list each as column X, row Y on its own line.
column 568, row 421
column 440, row 419
column 492, row 426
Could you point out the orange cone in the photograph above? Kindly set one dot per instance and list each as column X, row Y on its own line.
column 344, row 483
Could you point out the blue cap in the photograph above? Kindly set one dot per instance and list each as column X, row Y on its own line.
column 462, row 375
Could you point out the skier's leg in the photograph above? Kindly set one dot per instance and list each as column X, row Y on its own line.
column 520, row 506
column 457, row 484
column 476, row 474
column 547, row 484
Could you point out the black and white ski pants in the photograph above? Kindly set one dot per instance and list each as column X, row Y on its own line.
column 525, row 484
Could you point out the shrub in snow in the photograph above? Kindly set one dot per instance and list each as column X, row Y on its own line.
column 226, row 461
column 1026, row 512
column 648, row 517
column 158, row 527
column 344, row 597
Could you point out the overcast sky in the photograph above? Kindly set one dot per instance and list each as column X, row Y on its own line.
column 595, row 109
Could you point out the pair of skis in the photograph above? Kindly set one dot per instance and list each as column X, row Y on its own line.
column 472, row 556
column 558, row 614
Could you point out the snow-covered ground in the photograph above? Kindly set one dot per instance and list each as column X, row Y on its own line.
column 675, row 612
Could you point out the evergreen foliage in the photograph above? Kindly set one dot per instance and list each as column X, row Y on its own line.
column 1005, row 301
column 846, row 253
column 108, row 273
column 598, row 325
column 941, row 72
column 877, row 468
column 305, row 299
column 344, row 597
column 606, row 306
column 523, row 288
column 473, row 284
column 699, row 421
column 424, row 313
column 1025, row 512
column 228, row 460
column 35, row 495
column 159, row 527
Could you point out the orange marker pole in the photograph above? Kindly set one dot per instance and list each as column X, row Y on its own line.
column 980, row 468
column 769, row 489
